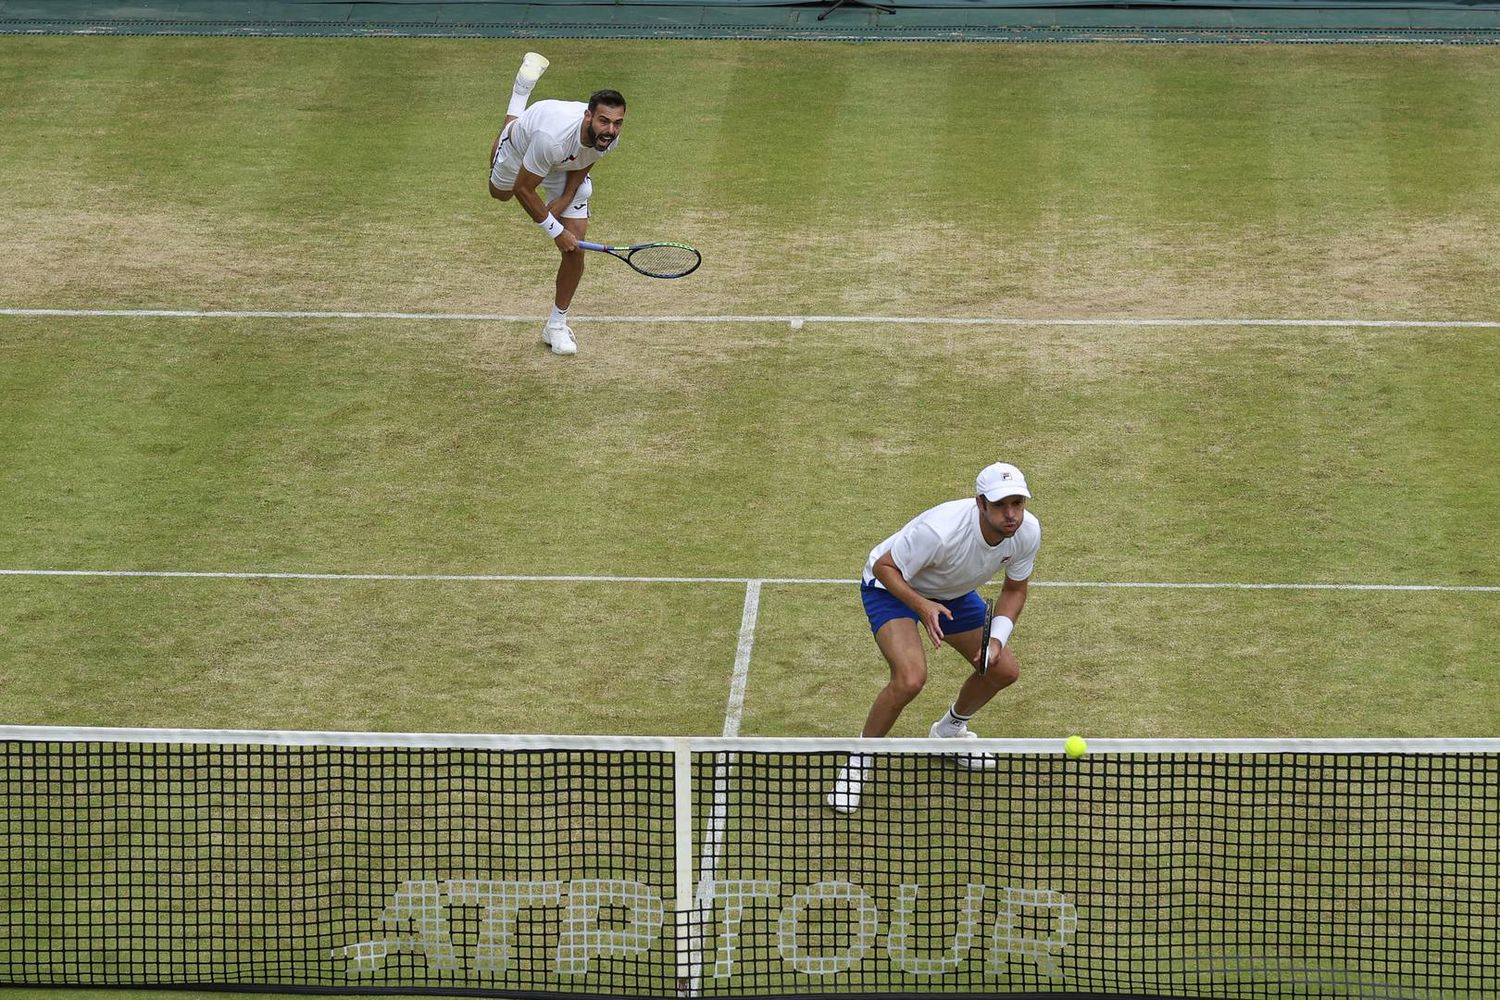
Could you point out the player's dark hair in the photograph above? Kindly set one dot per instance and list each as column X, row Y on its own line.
column 613, row 98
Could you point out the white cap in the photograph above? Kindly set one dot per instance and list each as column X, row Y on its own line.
column 1000, row 480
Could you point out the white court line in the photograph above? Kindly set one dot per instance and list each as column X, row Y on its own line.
column 905, row 320
column 743, row 648
column 1267, row 586
column 718, row 815
column 745, row 581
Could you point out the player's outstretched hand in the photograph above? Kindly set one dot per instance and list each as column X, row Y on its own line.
column 566, row 241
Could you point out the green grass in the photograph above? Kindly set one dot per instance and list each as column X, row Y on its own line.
column 978, row 179
column 1273, row 455
column 1030, row 182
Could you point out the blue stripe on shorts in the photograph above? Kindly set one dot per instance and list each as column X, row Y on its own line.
column 881, row 606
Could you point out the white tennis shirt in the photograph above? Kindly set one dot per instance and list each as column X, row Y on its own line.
column 546, row 138
column 943, row 555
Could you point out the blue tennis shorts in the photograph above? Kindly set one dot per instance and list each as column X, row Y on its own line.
column 881, row 606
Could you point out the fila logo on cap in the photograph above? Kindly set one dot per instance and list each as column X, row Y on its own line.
column 1001, row 480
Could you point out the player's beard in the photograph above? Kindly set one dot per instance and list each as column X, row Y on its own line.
column 591, row 137
column 999, row 527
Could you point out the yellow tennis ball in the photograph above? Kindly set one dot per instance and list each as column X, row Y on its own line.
column 1075, row 746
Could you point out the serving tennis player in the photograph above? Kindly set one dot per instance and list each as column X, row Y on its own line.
column 921, row 585
column 553, row 145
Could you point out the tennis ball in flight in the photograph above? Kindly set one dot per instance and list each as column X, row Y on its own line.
column 1075, row 746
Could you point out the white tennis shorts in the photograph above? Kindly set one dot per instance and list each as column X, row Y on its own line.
column 507, row 165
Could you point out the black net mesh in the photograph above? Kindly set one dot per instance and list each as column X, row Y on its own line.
column 336, row 866
column 536, row 871
column 1182, row 876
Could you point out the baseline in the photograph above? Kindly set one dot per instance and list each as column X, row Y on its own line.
column 1119, row 321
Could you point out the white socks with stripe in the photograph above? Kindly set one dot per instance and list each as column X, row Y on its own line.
column 951, row 724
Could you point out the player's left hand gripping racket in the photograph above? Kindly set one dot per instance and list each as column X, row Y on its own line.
column 984, row 638
column 655, row 260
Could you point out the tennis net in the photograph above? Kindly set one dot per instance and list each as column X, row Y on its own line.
column 672, row 868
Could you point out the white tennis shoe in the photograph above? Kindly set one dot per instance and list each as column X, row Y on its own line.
column 559, row 338
column 972, row 761
column 848, row 787
column 532, row 68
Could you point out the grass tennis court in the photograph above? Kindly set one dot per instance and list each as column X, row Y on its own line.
column 1104, row 182
column 1028, row 183
column 1281, row 455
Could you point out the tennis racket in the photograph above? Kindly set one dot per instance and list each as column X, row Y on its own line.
column 984, row 638
column 655, row 260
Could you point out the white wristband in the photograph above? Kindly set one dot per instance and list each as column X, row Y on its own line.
column 1000, row 628
column 551, row 226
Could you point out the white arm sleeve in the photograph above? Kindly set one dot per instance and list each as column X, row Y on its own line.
column 541, row 158
column 914, row 548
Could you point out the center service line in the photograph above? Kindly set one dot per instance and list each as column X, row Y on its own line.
column 736, row 708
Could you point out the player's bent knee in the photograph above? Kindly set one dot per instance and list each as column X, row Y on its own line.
column 907, row 686
column 1005, row 670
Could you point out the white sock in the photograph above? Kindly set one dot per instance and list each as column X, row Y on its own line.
column 559, row 317
column 952, row 722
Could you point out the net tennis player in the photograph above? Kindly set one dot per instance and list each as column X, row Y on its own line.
column 553, row 145
column 921, row 585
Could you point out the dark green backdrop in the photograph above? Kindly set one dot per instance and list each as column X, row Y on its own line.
column 1327, row 21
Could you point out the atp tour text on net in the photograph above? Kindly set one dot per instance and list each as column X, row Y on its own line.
column 1033, row 925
